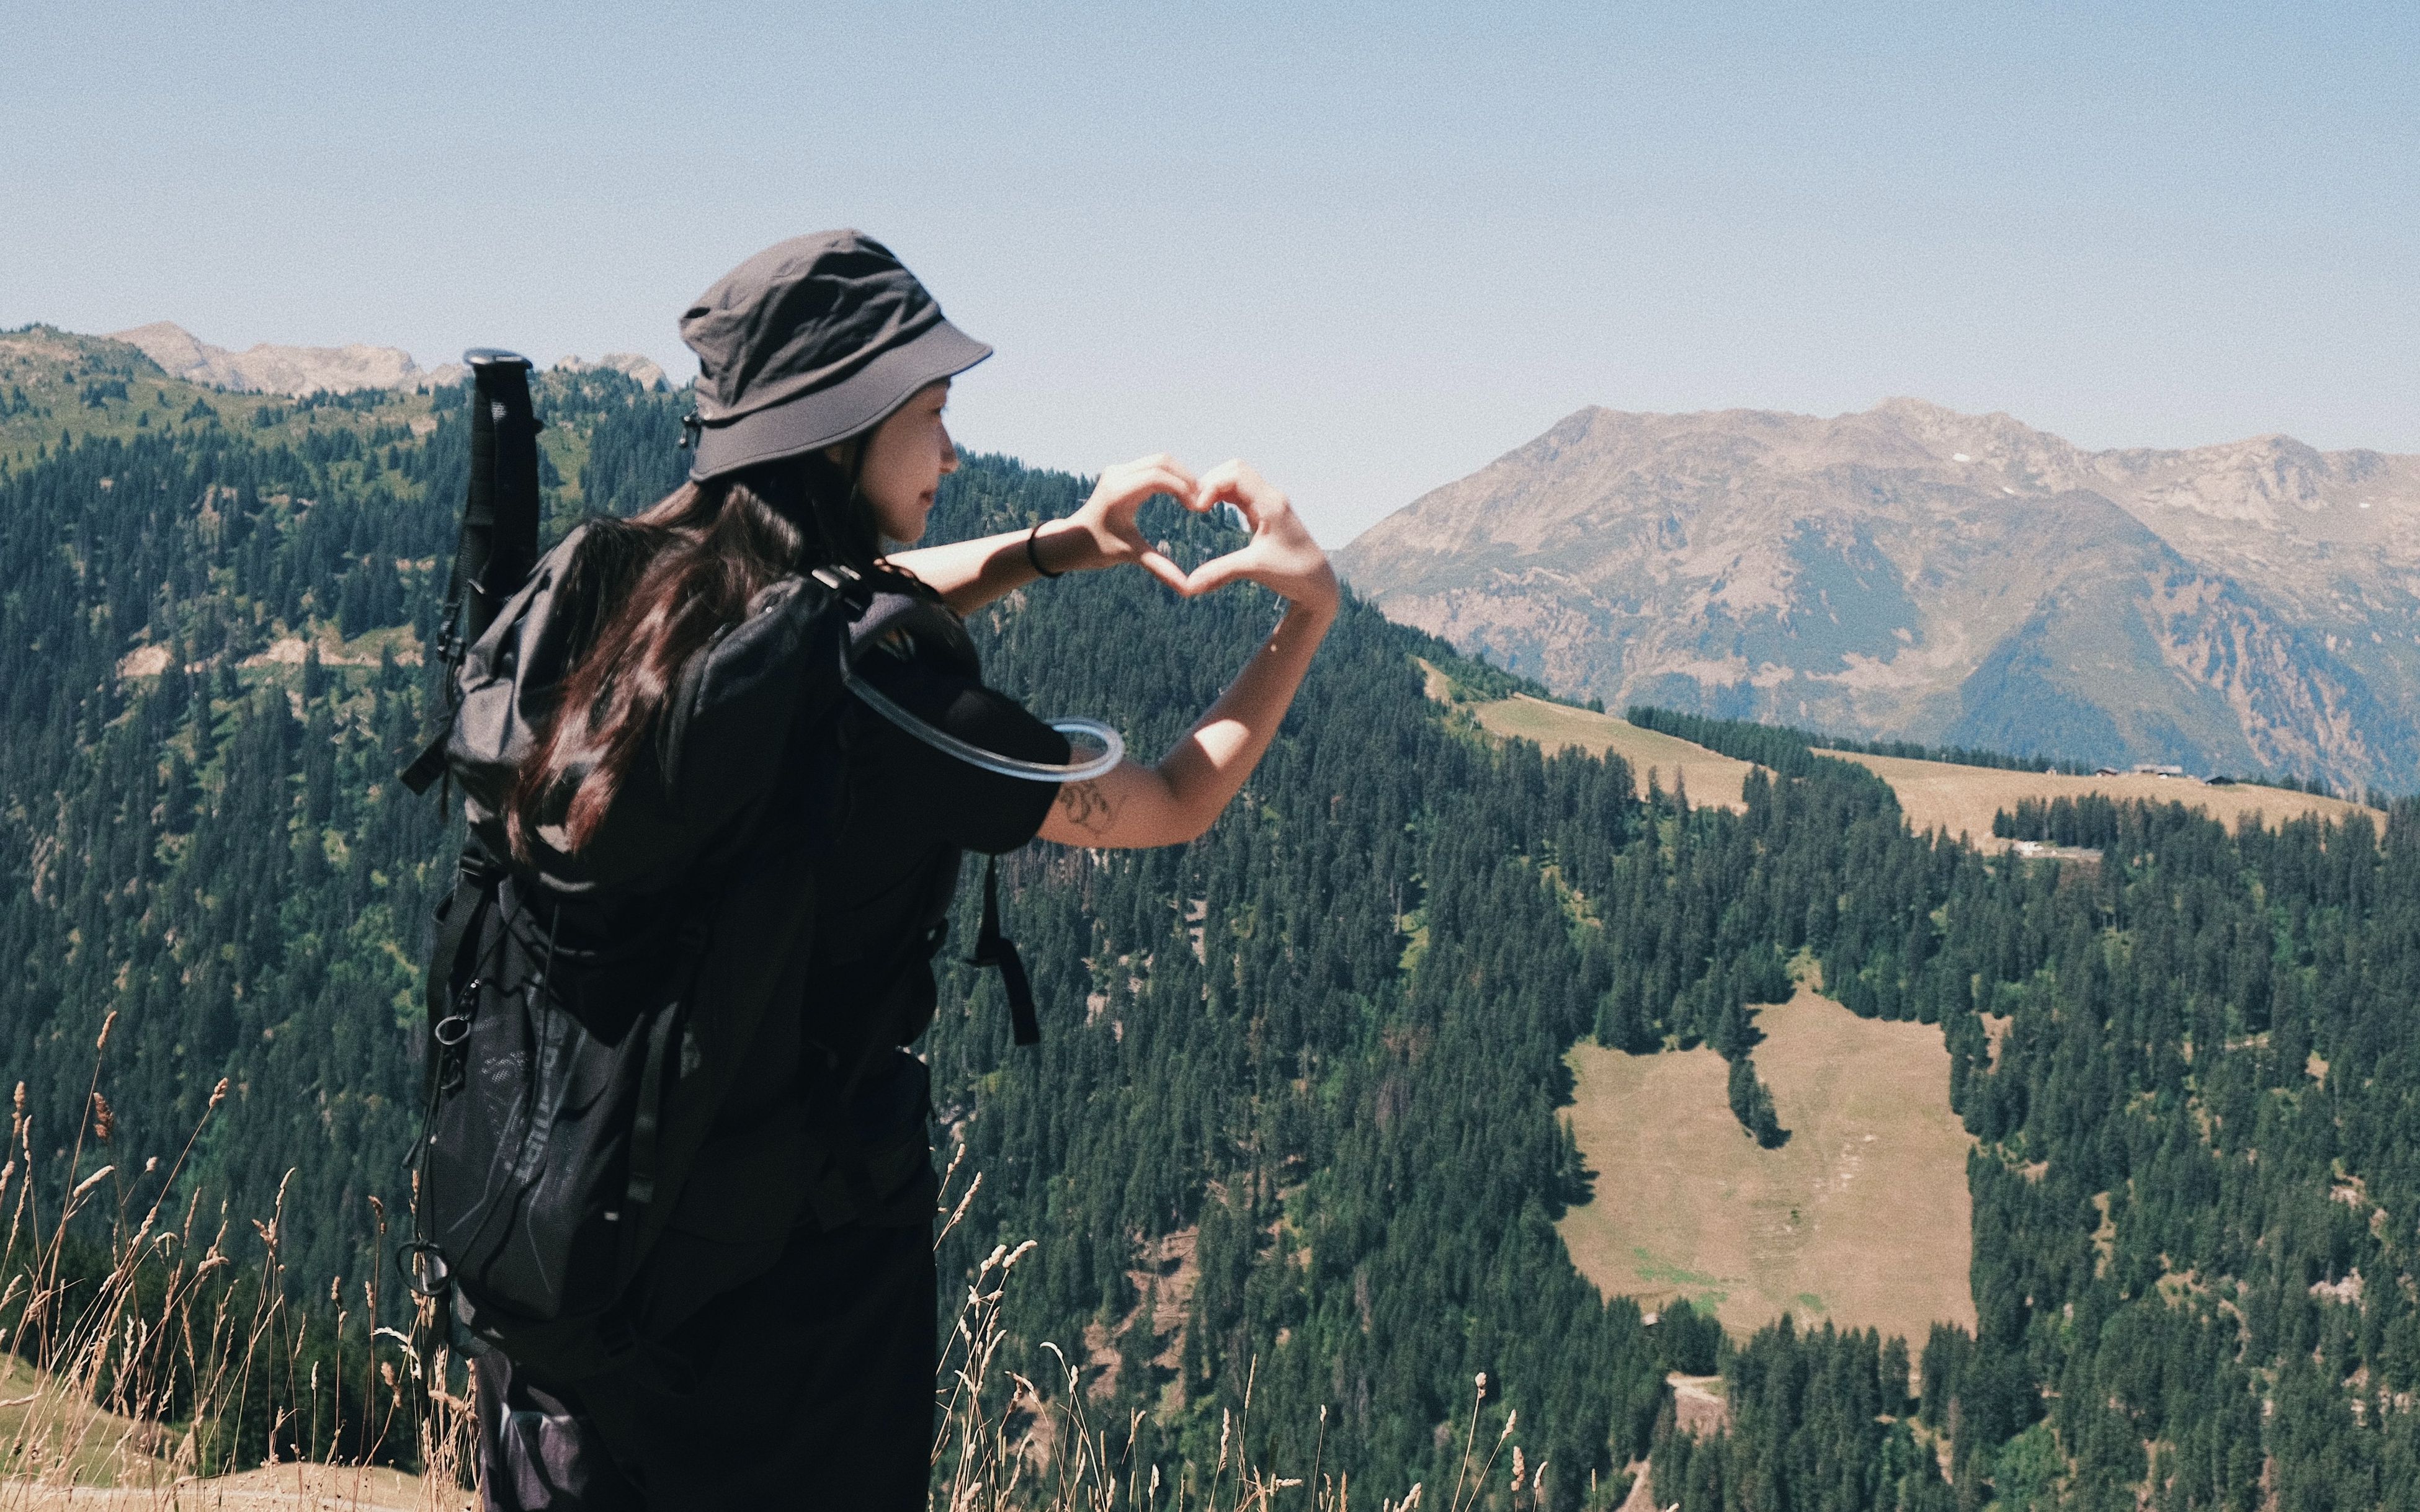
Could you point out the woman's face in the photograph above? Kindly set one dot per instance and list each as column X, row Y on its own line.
column 906, row 459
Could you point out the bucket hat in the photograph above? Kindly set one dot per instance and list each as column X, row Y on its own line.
column 809, row 342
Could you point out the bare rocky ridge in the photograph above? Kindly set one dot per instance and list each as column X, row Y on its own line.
column 1910, row 572
column 643, row 371
column 266, row 369
column 299, row 370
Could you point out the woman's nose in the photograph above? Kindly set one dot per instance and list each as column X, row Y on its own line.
column 949, row 455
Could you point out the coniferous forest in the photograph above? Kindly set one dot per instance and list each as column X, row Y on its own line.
column 1294, row 1124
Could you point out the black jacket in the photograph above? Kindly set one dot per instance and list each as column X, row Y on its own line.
column 822, row 844
column 725, row 818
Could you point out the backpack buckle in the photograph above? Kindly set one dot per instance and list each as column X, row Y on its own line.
column 843, row 583
column 424, row 1270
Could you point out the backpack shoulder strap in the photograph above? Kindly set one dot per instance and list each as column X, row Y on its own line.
column 460, row 917
column 997, row 950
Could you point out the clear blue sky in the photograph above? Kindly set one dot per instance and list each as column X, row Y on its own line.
column 1370, row 247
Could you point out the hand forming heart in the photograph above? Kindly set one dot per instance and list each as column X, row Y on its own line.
column 1282, row 556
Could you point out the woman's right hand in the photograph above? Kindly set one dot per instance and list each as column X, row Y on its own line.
column 1282, row 555
column 1181, row 796
column 1103, row 532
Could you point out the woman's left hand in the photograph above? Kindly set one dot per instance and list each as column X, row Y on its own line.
column 1104, row 533
column 1282, row 556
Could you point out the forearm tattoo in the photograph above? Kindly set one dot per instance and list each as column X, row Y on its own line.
column 1087, row 806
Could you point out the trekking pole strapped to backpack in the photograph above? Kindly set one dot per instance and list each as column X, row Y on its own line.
column 498, row 545
column 494, row 550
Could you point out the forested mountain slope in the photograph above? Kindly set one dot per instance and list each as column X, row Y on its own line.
column 1322, row 1047
column 1917, row 573
column 208, row 649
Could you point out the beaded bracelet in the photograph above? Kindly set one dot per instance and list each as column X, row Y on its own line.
column 1036, row 557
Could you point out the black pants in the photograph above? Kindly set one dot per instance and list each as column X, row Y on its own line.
column 810, row 1386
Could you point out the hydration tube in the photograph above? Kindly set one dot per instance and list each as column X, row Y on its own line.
column 1113, row 748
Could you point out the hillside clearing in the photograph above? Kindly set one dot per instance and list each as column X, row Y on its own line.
column 1863, row 1218
column 1932, row 794
column 1713, row 779
column 98, row 387
column 1962, row 799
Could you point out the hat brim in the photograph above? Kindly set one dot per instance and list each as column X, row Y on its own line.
column 863, row 400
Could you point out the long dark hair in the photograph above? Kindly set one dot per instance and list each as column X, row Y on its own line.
column 653, row 590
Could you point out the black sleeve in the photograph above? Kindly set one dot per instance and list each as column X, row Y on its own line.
column 958, row 802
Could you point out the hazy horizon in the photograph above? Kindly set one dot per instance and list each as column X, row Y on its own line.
column 1372, row 250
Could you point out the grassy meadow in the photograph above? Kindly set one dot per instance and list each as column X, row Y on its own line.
column 1961, row 800
column 1713, row 781
column 1862, row 1218
column 53, row 381
column 1933, row 795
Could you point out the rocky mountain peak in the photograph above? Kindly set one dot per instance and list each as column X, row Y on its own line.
column 264, row 369
column 1913, row 572
column 643, row 371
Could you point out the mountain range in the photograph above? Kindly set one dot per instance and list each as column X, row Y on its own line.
column 264, row 369
column 1910, row 572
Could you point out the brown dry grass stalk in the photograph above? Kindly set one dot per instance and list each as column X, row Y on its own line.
column 134, row 1374
column 139, row 1385
column 1004, row 1444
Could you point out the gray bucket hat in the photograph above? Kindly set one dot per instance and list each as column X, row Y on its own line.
column 810, row 342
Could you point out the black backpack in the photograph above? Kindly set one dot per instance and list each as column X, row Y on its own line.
column 588, row 1017
column 584, row 1020
column 543, row 1155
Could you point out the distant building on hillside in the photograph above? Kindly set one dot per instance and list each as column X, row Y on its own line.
column 2039, row 850
column 2152, row 769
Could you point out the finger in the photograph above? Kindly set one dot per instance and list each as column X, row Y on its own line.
column 1140, row 463
column 1149, row 557
column 1238, row 484
column 1250, row 514
column 1128, row 531
column 1162, row 465
column 1222, row 478
column 1128, row 491
column 1163, row 569
column 1239, row 472
column 1217, row 490
column 1219, row 571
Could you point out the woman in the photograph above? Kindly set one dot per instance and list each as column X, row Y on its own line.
column 787, row 1308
